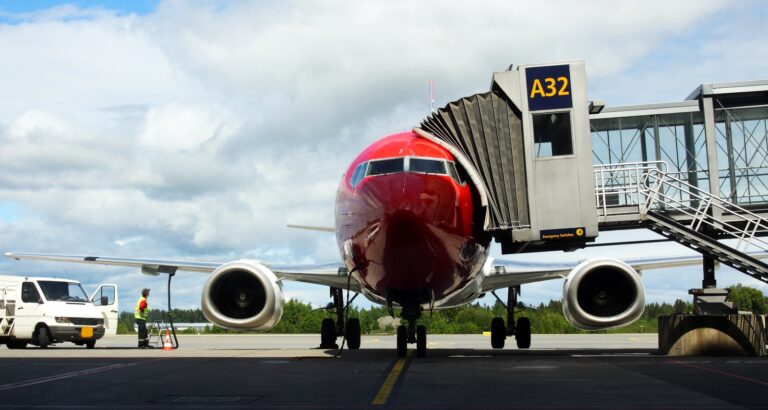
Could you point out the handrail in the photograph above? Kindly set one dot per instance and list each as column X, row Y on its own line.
column 667, row 192
column 648, row 185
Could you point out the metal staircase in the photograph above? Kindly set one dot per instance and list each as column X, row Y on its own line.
column 645, row 193
column 8, row 307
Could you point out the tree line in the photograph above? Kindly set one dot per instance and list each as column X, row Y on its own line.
column 300, row 317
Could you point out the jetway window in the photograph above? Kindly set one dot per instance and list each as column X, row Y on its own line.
column 427, row 166
column 386, row 166
column 552, row 134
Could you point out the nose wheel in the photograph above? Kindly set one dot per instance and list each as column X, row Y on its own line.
column 404, row 338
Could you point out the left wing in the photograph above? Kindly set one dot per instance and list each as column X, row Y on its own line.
column 324, row 274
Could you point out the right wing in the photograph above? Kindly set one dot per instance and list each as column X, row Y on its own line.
column 513, row 273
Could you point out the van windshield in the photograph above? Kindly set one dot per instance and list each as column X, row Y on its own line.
column 63, row 291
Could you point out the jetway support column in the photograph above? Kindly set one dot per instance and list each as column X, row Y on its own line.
column 708, row 265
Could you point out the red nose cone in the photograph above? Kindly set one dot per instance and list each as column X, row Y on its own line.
column 409, row 234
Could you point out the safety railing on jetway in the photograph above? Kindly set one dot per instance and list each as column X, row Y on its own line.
column 618, row 189
column 700, row 209
column 627, row 192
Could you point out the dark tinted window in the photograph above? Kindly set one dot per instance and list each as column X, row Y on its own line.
column 454, row 173
column 29, row 293
column 552, row 134
column 428, row 166
column 385, row 166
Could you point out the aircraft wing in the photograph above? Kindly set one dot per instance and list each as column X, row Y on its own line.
column 325, row 274
column 505, row 273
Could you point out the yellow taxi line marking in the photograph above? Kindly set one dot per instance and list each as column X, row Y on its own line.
column 389, row 383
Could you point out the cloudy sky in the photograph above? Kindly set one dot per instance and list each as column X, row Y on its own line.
column 197, row 130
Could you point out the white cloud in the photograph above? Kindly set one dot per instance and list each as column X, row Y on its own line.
column 199, row 130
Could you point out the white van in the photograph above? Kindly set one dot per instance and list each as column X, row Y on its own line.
column 43, row 311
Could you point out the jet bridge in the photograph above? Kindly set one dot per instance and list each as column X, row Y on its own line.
column 695, row 172
column 527, row 146
column 527, row 149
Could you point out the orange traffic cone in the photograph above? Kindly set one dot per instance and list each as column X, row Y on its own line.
column 167, row 345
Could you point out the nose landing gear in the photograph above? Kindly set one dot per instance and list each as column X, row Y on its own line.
column 412, row 333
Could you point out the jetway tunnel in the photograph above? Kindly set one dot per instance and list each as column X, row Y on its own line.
column 526, row 147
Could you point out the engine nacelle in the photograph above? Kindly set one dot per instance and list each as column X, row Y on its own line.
column 243, row 295
column 603, row 293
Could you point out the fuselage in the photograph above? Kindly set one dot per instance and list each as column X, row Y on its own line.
column 406, row 224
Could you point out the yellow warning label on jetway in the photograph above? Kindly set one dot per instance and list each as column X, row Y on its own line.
column 559, row 234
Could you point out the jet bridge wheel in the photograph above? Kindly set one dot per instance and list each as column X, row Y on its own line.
column 402, row 341
column 328, row 334
column 421, row 341
column 90, row 344
column 498, row 333
column 523, row 333
column 352, row 333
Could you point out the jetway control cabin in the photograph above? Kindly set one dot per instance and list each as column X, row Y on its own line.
column 526, row 146
column 552, row 168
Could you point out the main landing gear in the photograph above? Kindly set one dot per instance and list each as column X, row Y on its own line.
column 411, row 333
column 521, row 330
column 330, row 329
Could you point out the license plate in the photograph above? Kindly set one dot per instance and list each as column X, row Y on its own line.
column 86, row 332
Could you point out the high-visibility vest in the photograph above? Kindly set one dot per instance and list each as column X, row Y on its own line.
column 137, row 313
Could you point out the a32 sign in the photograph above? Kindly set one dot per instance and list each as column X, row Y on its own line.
column 549, row 87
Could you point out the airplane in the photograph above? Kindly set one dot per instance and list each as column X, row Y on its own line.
column 409, row 230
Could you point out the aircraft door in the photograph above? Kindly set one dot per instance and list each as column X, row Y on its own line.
column 105, row 300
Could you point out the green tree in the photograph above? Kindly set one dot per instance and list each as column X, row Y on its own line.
column 748, row 299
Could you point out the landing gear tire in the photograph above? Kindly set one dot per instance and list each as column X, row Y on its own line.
column 402, row 341
column 523, row 333
column 328, row 334
column 91, row 344
column 498, row 333
column 352, row 333
column 421, row 341
column 42, row 338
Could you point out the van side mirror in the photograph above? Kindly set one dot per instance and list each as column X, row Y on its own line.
column 104, row 300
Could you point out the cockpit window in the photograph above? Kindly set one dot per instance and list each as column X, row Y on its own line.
column 454, row 173
column 427, row 166
column 358, row 175
column 386, row 166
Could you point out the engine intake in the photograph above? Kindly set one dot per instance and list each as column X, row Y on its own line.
column 243, row 295
column 603, row 293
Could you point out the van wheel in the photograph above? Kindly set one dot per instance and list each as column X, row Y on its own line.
column 42, row 338
column 91, row 344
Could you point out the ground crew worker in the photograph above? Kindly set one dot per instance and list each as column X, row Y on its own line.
column 141, row 313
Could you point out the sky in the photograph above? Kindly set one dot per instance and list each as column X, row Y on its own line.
column 198, row 130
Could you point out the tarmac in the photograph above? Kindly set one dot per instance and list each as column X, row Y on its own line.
column 242, row 371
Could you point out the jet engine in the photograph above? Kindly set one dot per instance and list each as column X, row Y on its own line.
column 243, row 295
column 603, row 293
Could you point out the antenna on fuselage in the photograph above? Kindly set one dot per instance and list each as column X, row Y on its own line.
column 431, row 97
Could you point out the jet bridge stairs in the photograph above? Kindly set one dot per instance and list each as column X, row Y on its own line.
column 643, row 194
